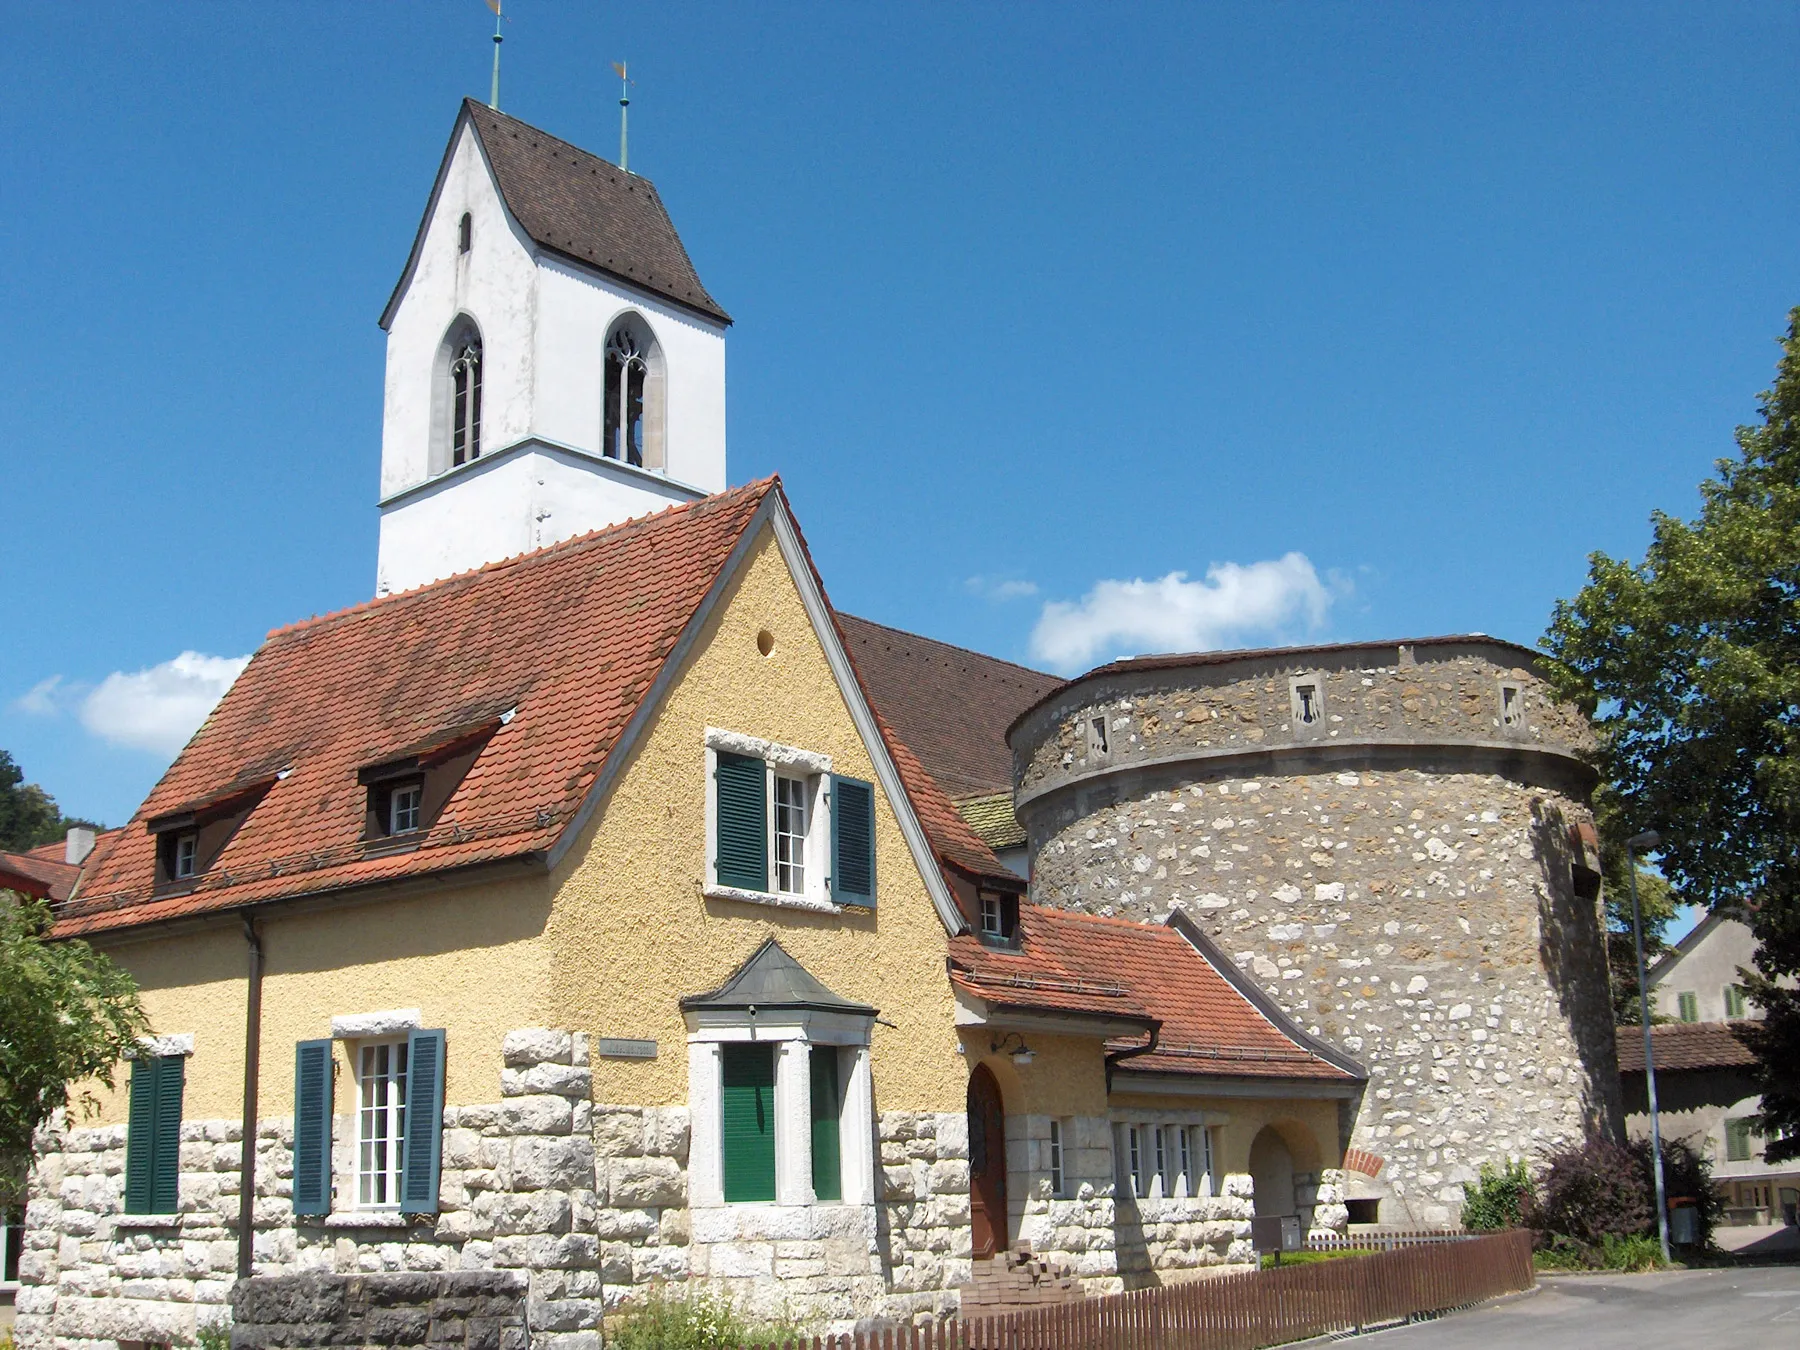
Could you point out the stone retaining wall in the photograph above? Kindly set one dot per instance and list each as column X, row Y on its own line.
column 454, row 1310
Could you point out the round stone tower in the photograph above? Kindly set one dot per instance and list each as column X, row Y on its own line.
column 1392, row 839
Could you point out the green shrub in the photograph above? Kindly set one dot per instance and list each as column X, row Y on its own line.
column 1590, row 1191
column 1501, row 1200
column 1309, row 1257
column 1687, row 1174
column 213, row 1336
column 690, row 1320
column 1561, row 1254
column 1636, row 1252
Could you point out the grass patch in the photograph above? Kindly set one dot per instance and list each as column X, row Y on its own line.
column 1309, row 1257
column 690, row 1320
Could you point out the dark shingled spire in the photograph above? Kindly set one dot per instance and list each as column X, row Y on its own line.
column 772, row 979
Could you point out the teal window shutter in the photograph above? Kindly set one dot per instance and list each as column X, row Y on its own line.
column 312, row 1127
column 852, row 841
column 165, row 1169
column 741, row 822
column 140, row 1137
column 153, row 1135
column 827, row 1106
column 424, row 1122
column 748, row 1120
column 1737, row 1139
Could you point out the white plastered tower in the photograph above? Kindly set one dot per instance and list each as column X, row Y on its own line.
column 553, row 363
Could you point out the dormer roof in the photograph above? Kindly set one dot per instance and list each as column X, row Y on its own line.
column 579, row 206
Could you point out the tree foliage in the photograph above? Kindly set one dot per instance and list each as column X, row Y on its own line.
column 1689, row 663
column 67, row 1017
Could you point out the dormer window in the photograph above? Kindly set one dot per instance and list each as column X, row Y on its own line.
column 403, row 808
column 998, row 918
column 465, row 232
column 187, row 848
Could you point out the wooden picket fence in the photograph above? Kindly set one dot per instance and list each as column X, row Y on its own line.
column 1243, row 1311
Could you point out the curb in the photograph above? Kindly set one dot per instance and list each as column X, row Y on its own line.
column 1499, row 1301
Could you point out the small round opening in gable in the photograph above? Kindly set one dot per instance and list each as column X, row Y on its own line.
column 765, row 642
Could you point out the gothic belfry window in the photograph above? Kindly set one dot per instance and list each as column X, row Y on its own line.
column 627, row 366
column 465, row 400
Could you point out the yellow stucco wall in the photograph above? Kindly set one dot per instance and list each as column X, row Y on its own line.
column 1308, row 1125
column 612, row 940
column 1066, row 1076
column 631, row 929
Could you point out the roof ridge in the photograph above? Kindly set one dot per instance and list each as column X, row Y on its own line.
column 475, row 105
column 957, row 647
column 714, row 500
column 1147, row 929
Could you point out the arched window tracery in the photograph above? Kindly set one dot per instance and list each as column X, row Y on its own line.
column 465, row 399
column 627, row 370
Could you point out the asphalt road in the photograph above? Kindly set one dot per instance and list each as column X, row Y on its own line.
column 1686, row 1309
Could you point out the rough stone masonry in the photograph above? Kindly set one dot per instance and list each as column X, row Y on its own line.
column 1394, row 841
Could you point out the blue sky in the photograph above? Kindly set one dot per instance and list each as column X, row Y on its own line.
column 1073, row 330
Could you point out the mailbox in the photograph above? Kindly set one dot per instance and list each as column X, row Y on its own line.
column 1277, row 1233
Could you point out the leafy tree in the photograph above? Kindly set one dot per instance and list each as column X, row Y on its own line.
column 67, row 1017
column 1689, row 663
column 28, row 814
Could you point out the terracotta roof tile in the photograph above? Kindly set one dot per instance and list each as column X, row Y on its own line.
column 1684, row 1045
column 571, row 637
column 42, row 871
column 1079, row 963
column 992, row 819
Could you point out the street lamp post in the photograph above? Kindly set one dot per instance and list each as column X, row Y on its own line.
column 1643, row 843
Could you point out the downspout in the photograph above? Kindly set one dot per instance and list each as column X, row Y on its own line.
column 1118, row 1057
column 252, row 1056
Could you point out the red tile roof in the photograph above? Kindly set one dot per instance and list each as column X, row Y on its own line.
column 1210, row 1021
column 571, row 637
column 43, row 871
column 1684, row 1045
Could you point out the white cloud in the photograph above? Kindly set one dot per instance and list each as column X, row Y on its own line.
column 1000, row 588
column 1173, row 614
column 161, row 707
column 43, row 699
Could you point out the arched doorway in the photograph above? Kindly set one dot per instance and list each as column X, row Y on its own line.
column 987, row 1163
column 1272, row 1173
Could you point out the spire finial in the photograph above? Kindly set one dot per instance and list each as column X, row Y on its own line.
column 494, row 88
column 624, row 112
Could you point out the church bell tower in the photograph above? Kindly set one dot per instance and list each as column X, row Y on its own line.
column 553, row 363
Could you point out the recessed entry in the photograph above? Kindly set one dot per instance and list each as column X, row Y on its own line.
column 765, row 642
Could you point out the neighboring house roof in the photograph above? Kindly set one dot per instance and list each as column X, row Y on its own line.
column 556, row 659
column 44, row 871
column 580, row 206
column 1684, row 1045
column 771, row 979
column 1665, row 964
column 1209, row 1019
column 950, row 705
column 992, row 819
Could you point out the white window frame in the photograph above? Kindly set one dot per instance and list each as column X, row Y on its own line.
column 801, row 792
column 993, row 915
column 1058, row 1149
column 7, row 1229
column 779, row 761
column 187, row 855
column 1135, row 1141
column 392, row 1114
column 795, row 1034
column 414, row 794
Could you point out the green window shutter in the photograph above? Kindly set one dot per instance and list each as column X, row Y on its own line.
column 1734, row 1000
column 1688, row 1007
column 852, row 841
column 741, row 822
column 748, row 1119
column 140, row 1137
column 165, row 1170
column 1737, row 1139
column 312, row 1127
column 424, row 1122
column 827, row 1106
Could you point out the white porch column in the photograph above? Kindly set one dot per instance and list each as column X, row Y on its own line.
column 857, row 1132
column 706, row 1175
column 793, row 1124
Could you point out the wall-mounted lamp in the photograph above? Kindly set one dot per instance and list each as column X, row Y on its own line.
column 1022, row 1054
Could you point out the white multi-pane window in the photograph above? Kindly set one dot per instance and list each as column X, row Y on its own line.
column 380, row 1124
column 187, row 850
column 403, row 809
column 790, row 835
column 1058, row 1180
column 1169, row 1161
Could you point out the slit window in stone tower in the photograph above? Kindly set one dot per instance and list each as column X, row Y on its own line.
column 465, row 403
column 1306, row 702
column 626, row 368
column 1512, row 706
